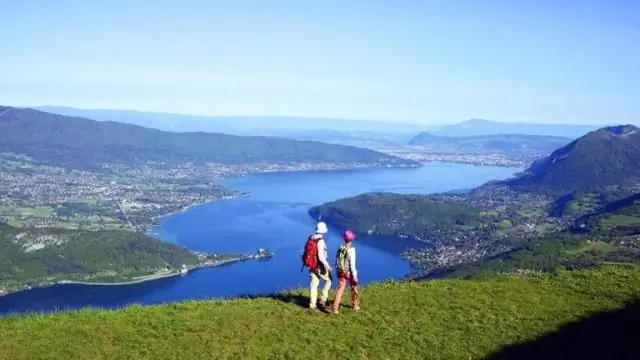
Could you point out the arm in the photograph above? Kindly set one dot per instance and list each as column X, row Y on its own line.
column 352, row 263
column 322, row 254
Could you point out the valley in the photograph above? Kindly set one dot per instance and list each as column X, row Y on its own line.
column 99, row 191
column 74, row 193
column 78, row 197
column 163, row 168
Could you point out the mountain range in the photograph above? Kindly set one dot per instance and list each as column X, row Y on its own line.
column 84, row 143
column 499, row 143
column 238, row 125
column 292, row 126
column 476, row 127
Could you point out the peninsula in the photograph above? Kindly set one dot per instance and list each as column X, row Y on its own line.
column 49, row 256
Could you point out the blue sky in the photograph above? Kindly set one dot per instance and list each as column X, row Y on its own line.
column 424, row 61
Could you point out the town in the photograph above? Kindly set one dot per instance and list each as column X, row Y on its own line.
column 119, row 197
column 483, row 159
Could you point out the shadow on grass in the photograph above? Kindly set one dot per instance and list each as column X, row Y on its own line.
column 287, row 298
column 604, row 335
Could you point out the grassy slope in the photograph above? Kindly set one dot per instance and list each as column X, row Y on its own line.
column 450, row 319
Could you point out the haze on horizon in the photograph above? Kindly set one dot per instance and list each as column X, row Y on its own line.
column 411, row 61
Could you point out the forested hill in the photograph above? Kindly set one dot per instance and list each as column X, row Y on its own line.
column 37, row 256
column 608, row 156
column 82, row 143
column 418, row 216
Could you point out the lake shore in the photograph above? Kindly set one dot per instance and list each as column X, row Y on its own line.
column 137, row 280
column 186, row 208
column 152, row 277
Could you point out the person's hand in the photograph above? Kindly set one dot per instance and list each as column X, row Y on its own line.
column 329, row 269
column 355, row 280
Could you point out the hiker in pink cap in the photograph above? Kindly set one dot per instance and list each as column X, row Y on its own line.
column 347, row 272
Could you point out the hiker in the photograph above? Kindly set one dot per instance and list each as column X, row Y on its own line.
column 315, row 258
column 347, row 272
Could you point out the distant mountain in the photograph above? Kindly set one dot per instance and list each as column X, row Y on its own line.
column 83, row 143
column 160, row 121
column 238, row 125
column 501, row 143
column 365, row 139
column 605, row 157
column 475, row 127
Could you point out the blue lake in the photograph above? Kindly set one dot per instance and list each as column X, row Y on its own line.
column 274, row 216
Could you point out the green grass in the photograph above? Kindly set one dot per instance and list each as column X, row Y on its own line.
column 582, row 204
column 600, row 246
column 505, row 224
column 43, row 211
column 447, row 319
column 16, row 223
column 38, row 211
column 90, row 201
column 613, row 221
column 24, row 216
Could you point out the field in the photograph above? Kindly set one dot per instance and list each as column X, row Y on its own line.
column 598, row 246
column 68, row 216
column 582, row 314
column 613, row 221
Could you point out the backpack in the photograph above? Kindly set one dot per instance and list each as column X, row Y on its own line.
column 310, row 254
column 342, row 260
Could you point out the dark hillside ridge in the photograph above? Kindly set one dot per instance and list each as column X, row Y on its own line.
column 82, row 143
column 605, row 157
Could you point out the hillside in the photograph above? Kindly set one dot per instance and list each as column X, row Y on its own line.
column 515, row 144
column 618, row 218
column 554, row 251
column 608, row 235
column 577, row 315
column 392, row 214
column 82, row 143
column 476, row 127
column 448, row 230
column 39, row 256
column 606, row 157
